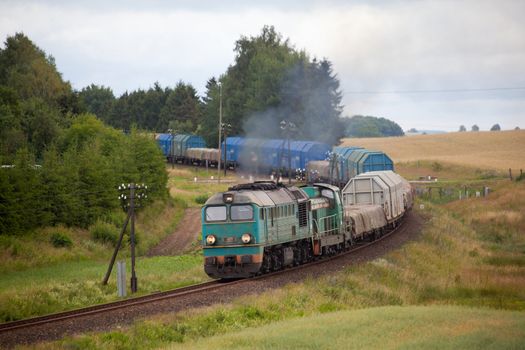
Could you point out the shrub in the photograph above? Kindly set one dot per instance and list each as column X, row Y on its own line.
column 60, row 240
column 103, row 232
column 436, row 166
column 201, row 199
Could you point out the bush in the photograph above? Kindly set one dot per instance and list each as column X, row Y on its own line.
column 201, row 199
column 103, row 232
column 60, row 240
column 436, row 166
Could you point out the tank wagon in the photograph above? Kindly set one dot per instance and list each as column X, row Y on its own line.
column 265, row 226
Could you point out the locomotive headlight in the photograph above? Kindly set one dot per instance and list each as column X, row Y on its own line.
column 210, row 239
column 246, row 238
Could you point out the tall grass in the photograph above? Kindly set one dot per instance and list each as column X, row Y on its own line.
column 450, row 264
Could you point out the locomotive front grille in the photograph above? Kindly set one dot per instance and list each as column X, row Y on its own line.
column 229, row 260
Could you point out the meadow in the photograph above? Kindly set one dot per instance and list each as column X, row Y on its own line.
column 464, row 276
column 468, row 284
column 38, row 278
column 461, row 284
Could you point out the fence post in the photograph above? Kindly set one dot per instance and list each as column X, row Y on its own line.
column 510, row 174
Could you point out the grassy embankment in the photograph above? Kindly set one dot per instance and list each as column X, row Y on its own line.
column 37, row 278
column 461, row 284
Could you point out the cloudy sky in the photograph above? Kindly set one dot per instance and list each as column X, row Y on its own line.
column 424, row 64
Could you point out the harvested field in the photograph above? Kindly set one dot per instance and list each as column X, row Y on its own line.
column 487, row 150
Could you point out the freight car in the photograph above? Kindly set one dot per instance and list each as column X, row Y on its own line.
column 346, row 162
column 264, row 226
column 264, row 156
column 174, row 146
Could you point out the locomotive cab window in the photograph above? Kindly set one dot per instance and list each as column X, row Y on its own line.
column 241, row 212
column 217, row 213
column 327, row 193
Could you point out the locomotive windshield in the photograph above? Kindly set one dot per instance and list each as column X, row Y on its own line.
column 241, row 212
column 217, row 213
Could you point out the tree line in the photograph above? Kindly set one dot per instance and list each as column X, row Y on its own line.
column 61, row 165
column 64, row 151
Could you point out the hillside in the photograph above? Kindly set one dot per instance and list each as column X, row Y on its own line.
column 489, row 150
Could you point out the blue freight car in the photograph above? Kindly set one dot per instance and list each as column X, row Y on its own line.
column 165, row 143
column 342, row 168
column 233, row 149
column 181, row 142
column 363, row 160
column 303, row 152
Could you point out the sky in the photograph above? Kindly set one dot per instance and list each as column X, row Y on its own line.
column 424, row 64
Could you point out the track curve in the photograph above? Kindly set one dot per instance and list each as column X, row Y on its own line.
column 124, row 312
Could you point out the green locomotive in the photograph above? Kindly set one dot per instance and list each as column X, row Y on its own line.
column 261, row 227
column 265, row 226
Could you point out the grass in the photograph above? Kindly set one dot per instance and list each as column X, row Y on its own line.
column 486, row 150
column 37, row 277
column 183, row 186
column 450, row 264
column 381, row 328
column 72, row 285
column 470, row 255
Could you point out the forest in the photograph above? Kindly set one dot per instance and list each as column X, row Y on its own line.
column 63, row 152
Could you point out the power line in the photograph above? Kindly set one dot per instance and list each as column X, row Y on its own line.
column 435, row 91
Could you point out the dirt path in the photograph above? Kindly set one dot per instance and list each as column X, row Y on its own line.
column 177, row 242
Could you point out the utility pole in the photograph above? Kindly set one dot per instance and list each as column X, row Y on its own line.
column 220, row 134
column 225, row 129
column 288, row 127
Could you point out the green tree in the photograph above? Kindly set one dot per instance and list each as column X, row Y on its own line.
column 475, row 128
column 12, row 136
column 271, row 81
column 209, row 118
column 368, row 126
column 495, row 127
column 98, row 100
column 182, row 106
column 30, row 72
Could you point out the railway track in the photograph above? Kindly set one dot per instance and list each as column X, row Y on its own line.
column 27, row 325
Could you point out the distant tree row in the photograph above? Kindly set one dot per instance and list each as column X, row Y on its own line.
column 156, row 109
column 474, row 127
column 60, row 165
column 367, row 126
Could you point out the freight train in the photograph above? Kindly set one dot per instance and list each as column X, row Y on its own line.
column 317, row 160
column 260, row 227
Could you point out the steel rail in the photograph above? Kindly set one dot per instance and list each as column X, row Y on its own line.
column 183, row 291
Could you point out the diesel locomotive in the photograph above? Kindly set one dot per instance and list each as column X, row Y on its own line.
column 260, row 227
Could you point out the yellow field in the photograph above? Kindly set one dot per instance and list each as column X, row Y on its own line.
column 486, row 150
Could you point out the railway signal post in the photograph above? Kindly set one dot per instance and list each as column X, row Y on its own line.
column 137, row 193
